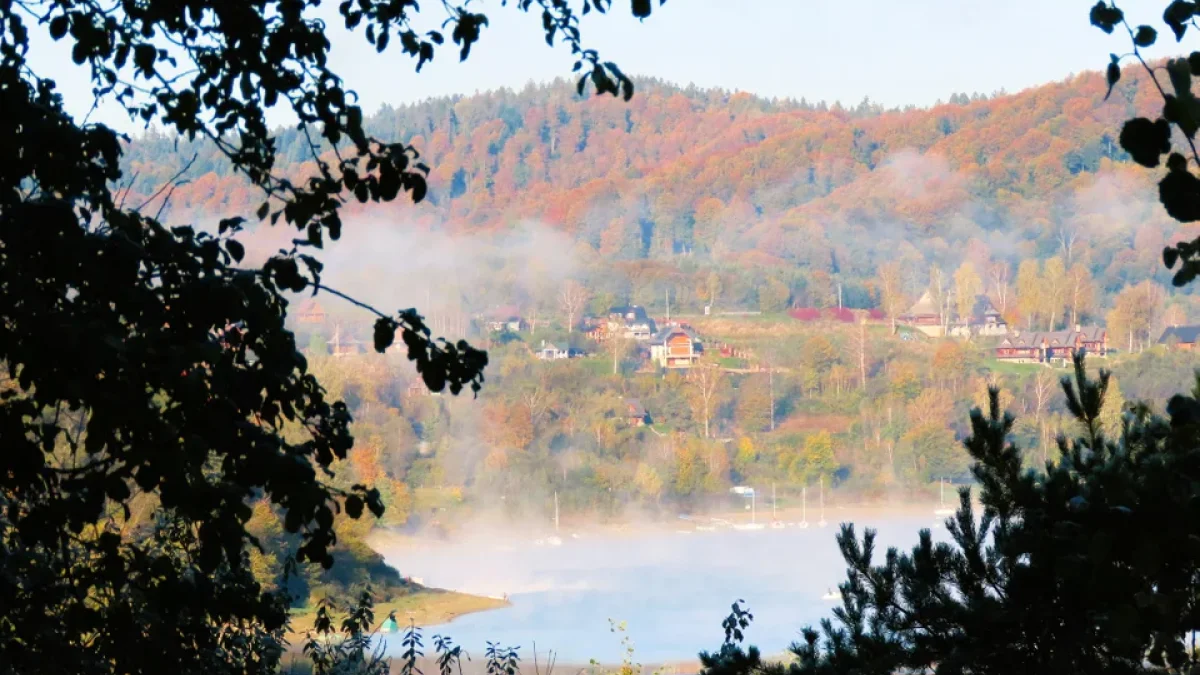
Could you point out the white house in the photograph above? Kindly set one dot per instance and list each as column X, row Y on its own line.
column 552, row 352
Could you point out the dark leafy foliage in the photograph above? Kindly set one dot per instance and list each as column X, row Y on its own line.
column 1147, row 140
column 146, row 372
column 334, row 650
column 1088, row 566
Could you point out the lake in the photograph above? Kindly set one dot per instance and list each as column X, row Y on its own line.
column 672, row 588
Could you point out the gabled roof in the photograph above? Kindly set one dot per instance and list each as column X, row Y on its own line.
column 1184, row 334
column 638, row 312
column 1029, row 339
column 550, row 345
column 924, row 306
column 668, row 331
column 634, row 406
column 1059, row 338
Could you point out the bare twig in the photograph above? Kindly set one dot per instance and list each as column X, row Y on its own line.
column 170, row 184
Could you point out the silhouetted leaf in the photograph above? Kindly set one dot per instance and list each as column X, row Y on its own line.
column 1113, row 75
column 1105, row 17
column 1177, row 14
column 1179, row 192
column 235, row 249
column 1144, row 36
column 1146, row 141
column 385, row 334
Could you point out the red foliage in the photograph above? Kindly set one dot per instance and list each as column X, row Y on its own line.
column 844, row 315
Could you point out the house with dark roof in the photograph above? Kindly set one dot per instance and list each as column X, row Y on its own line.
column 1093, row 339
column 630, row 322
column 503, row 319
column 1182, row 338
column 676, row 346
column 1051, row 346
column 635, row 414
column 1021, row 348
column 984, row 320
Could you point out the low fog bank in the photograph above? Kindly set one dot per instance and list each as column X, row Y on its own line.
column 448, row 278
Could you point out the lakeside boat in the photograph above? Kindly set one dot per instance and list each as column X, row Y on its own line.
column 803, row 524
column 821, row 522
column 832, row 595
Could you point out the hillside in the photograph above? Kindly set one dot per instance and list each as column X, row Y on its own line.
column 680, row 181
column 738, row 203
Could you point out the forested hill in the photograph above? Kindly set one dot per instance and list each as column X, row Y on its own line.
column 741, row 181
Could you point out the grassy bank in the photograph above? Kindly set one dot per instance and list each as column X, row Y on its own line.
column 424, row 607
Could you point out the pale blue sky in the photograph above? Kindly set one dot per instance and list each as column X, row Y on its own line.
column 897, row 52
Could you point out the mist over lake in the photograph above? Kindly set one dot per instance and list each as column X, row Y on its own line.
column 672, row 588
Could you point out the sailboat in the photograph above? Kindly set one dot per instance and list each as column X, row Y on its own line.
column 753, row 524
column 803, row 508
column 775, row 522
column 832, row 595
column 821, row 522
column 942, row 509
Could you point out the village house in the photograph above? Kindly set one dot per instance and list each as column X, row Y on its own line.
column 417, row 389
column 552, row 352
column 310, row 312
column 1021, row 348
column 676, row 346
column 1182, row 338
column 635, row 413
column 630, row 322
column 985, row 320
column 924, row 315
column 345, row 345
column 503, row 320
column 1053, row 346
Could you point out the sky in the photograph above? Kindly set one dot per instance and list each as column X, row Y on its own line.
column 894, row 52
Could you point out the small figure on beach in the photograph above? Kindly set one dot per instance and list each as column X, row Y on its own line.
column 389, row 624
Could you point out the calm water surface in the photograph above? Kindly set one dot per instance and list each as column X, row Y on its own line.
column 672, row 589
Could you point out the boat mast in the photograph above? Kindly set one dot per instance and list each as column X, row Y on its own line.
column 821, row 522
column 556, row 511
column 804, row 504
column 773, row 502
